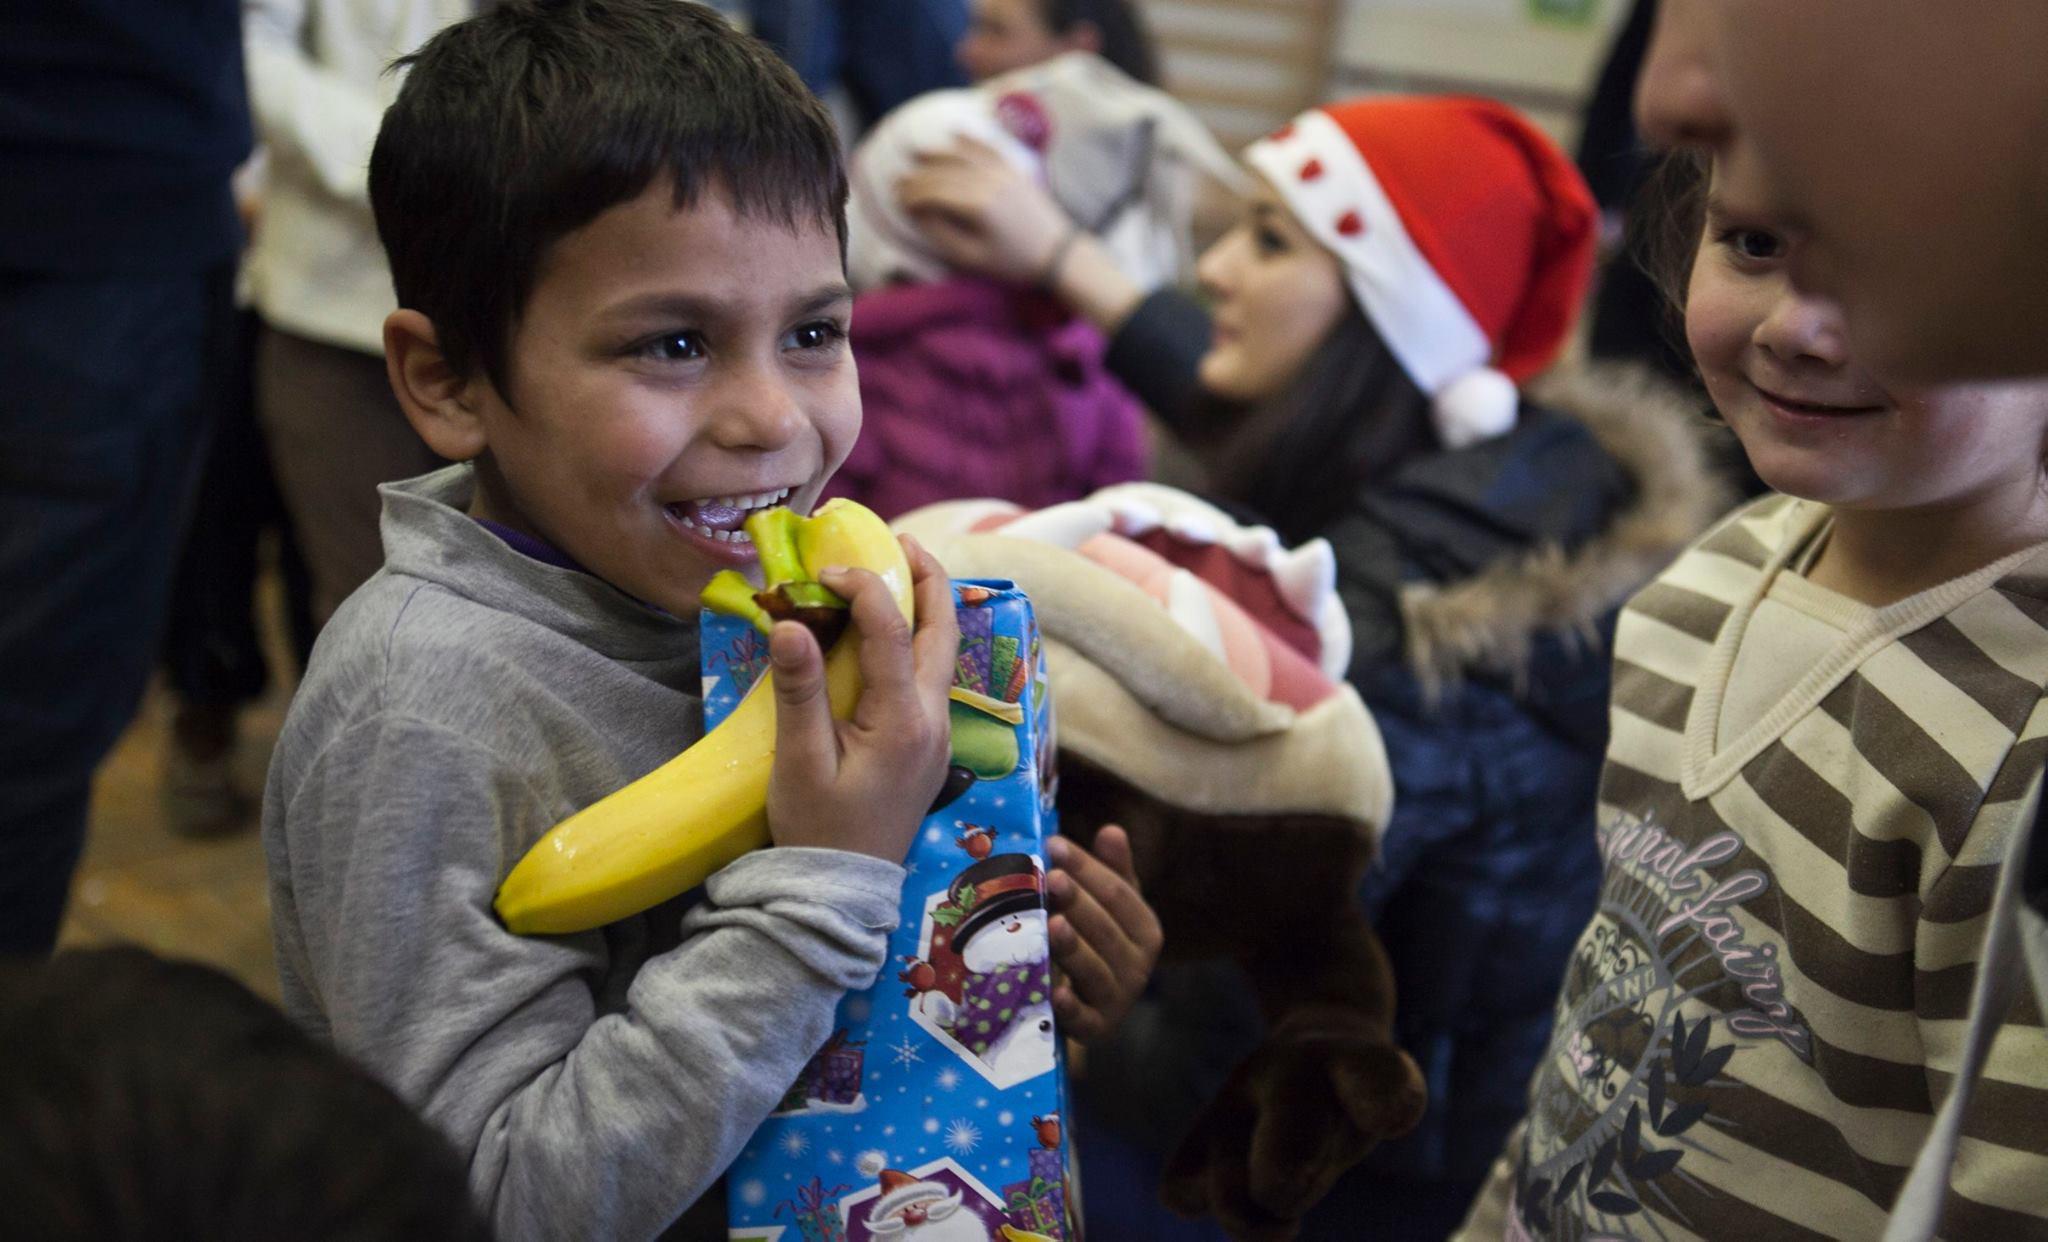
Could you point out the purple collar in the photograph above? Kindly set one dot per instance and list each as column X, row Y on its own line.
column 528, row 545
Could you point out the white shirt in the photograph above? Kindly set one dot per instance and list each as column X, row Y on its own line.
column 318, row 86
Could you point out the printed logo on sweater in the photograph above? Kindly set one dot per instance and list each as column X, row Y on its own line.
column 1627, row 1076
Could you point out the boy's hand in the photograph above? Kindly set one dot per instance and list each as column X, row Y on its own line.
column 864, row 784
column 1105, row 937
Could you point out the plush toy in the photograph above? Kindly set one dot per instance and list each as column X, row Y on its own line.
column 1196, row 672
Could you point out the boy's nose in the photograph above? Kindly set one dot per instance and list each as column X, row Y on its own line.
column 757, row 409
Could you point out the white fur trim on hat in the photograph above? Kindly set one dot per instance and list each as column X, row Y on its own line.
column 1318, row 172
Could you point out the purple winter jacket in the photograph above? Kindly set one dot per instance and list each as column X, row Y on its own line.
column 971, row 388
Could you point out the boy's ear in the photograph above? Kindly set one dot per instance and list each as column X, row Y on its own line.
column 440, row 404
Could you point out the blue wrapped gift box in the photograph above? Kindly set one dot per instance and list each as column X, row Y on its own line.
column 933, row 1114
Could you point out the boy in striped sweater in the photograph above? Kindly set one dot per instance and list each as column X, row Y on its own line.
column 1829, row 720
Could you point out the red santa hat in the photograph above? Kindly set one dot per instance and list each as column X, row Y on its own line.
column 1466, row 236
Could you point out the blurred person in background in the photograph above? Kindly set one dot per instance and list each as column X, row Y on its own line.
column 317, row 276
column 973, row 386
column 213, row 661
column 884, row 53
column 120, row 127
column 1015, row 34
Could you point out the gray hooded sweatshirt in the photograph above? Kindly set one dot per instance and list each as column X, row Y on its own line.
column 460, row 704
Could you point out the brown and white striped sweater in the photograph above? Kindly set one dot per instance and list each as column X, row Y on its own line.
column 1769, row 1004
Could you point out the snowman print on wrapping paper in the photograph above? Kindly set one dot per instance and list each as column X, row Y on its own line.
column 982, row 980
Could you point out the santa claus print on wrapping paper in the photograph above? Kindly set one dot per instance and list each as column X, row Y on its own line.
column 936, row 1202
column 982, row 981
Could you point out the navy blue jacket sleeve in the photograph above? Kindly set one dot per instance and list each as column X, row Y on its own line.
column 1156, row 351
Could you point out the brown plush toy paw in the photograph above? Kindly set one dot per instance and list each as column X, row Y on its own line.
column 1298, row 1113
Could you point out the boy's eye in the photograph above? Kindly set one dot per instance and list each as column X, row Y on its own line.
column 1268, row 240
column 821, row 335
column 675, row 347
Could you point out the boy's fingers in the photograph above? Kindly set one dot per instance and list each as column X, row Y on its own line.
column 886, row 680
column 917, row 191
column 1117, row 945
column 1097, row 937
column 1076, row 1018
column 935, row 648
column 803, row 715
column 1060, row 934
column 1113, row 892
column 1091, row 976
column 1113, row 847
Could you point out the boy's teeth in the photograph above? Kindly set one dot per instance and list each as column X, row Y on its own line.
column 760, row 500
column 721, row 517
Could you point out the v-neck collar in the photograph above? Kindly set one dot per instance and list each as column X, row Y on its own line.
column 1704, row 769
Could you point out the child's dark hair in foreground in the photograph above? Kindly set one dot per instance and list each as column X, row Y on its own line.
column 522, row 125
column 148, row 1099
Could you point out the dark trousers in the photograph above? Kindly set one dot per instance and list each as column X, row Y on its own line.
column 212, row 651
column 335, row 433
column 107, row 390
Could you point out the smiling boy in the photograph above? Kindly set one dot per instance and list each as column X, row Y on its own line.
column 616, row 231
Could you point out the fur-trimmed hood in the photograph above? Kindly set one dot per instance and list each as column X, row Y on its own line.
column 1489, row 621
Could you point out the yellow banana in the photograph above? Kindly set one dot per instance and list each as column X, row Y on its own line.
column 667, row 832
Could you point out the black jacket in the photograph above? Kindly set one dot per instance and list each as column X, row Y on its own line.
column 120, row 123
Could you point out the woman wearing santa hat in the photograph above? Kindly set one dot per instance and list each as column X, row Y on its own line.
column 1364, row 366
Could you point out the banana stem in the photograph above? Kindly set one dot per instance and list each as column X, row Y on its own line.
column 811, row 595
column 730, row 593
column 774, row 534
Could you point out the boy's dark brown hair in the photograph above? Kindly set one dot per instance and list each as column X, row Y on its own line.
column 524, row 123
